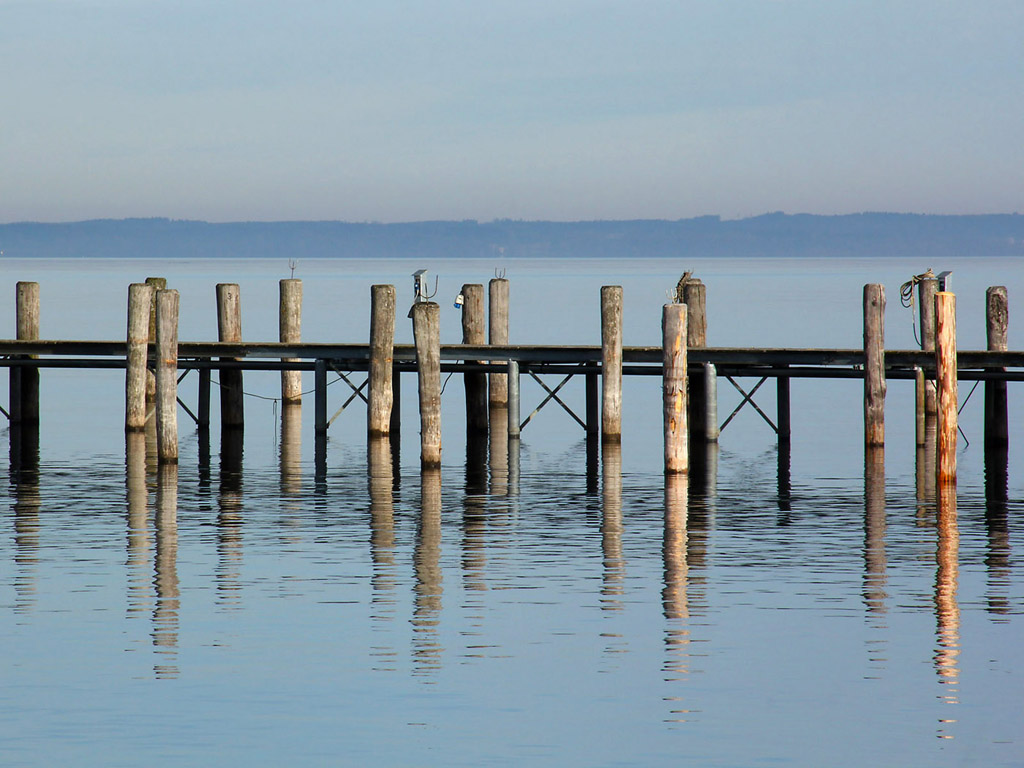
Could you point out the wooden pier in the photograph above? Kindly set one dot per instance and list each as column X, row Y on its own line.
column 689, row 369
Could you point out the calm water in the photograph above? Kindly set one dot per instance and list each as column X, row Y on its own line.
column 528, row 609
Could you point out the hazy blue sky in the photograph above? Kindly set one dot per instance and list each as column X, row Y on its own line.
column 384, row 110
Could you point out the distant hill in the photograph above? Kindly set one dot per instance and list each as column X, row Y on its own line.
column 775, row 234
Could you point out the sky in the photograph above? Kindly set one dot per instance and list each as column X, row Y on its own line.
column 238, row 110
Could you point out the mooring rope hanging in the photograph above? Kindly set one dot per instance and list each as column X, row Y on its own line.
column 907, row 299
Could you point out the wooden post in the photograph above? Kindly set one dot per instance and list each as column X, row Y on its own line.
column 24, row 393
column 140, row 303
column 674, row 394
column 229, row 329
column 158, row 284
column 497, row 319
column 203, row 401
column 380, row 400
column 874, row 364
column 996, row 324
column 396, row 404
column 694, row 295
column 513, row 399
column 593, row 409
column 926, row 290
column 474, row 332
column 426, row 329
column 290, row 332
column 945, row 364
column 611, row 363
column 167, row 376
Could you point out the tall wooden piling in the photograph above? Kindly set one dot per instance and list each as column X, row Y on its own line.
column 426, row 328
column 381, row 398
column 945, row 364
column 167, row 376
column 926, row 290
column 24, row 391
column 674, row 388
column 694, row 294
column 474, row 331
column 497, row 331
column 158, row 284
column 874, row 365
column 290, row 332
column 611, row 363
column 140, row 306
column 996, row 326
column 919, row 409
column 229, row 329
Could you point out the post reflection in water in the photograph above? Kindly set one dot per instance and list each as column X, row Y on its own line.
column 498, row 442
column 165, row 577
column 611, row 527
column 24, row 476
column 229, row 520
column 474, row 519
column 291, row 449
column 947, row 609
column 925, row 472
column 137, row 469
column 427, row 564
column 874, row 586
column 382, row 541
column 674, row 595
column 997, row 554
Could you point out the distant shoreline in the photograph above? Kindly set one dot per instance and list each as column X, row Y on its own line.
column 771, row 235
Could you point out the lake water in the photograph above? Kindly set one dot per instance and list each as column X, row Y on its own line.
column 243, row 609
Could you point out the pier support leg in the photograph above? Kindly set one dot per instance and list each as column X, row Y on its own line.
column 919, row 409
column 396, row 405
column 782, row 409
column 513, row 400
column 426, row 328
column 290, row 332
column 167, row 302
column 380, row 401
column 203, row 398
column 711, row 399
column 945, row 364
column 474, row 331
column 140, row 304
column 874, row 365
column 229, row 329
column 24, row 393
column 158, row 284
column 674, row 394
column 611, row 363
column 996, row 324
column 320, row 398
column 497, row 318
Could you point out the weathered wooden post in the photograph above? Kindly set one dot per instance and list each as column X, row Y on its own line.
column 711, row 397
column 497, row 320
column 611, row 363
column 24, row 392
column 140, row 304
column 945, row 364
column 290, row 332
column 996, row 325
column 674, row 382
column 874, row 364
column 783, row 410
column 167, row 376
column 426, row 329
column 380, row 400
column 229, row 329
column 927, row 287
column 474, row 332
column 694, row 295
column 158, row 284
